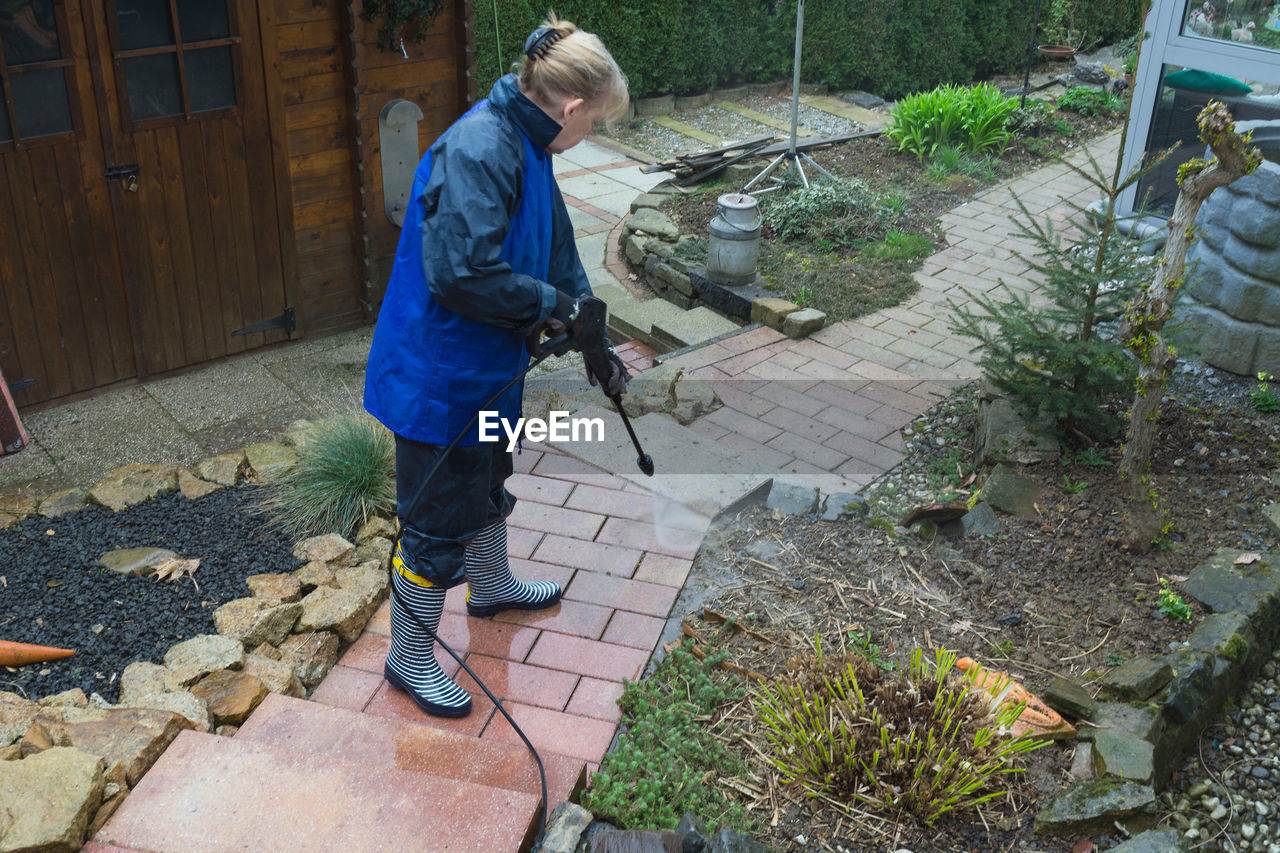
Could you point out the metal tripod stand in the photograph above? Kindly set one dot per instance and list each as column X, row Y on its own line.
column 790, row 156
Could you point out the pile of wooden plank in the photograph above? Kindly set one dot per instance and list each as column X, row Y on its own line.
column 691, row 169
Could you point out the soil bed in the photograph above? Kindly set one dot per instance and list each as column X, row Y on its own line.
column 53, row 591
column 1045, row 596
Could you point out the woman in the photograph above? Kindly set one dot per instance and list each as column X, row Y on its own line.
column 486, row 259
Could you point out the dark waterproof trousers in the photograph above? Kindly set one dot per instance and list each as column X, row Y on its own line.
column 465, row 495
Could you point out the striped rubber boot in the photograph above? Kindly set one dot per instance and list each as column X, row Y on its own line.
column 492, row 587
column 411, row 662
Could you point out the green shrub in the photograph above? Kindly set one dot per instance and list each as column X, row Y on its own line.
column 669, row 750
column 834, row 214
column 900, row 246
column 968, row 117
column 948, row 161
column 923, row 742
column 1090, row 102
column 344, row 475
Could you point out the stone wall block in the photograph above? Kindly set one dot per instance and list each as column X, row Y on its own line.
column 1255, row 222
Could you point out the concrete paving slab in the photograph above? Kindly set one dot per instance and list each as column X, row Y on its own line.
column 618, row 202
column 636, row 179
column 591, row 249
column 582, row 219
column 88, row 438
column 586, row 155
column 588, row 187
column 690, row 469
column 29, row 465
column 218, row 394
column 868, row 118
column 267, row 425
column 688, row 328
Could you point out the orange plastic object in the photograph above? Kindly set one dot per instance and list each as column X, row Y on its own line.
column 1036, row 718
column 21, row 654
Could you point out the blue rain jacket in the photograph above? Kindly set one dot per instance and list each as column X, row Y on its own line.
column 485, row 241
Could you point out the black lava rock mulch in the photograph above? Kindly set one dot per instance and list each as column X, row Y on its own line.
column 54, row 593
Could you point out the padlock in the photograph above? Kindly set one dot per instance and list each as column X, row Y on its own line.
column 132, row 183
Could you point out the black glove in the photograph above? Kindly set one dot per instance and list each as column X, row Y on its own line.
column 562, row 314
column 618, row 377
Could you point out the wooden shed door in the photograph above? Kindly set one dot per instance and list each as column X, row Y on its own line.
column 191, row 175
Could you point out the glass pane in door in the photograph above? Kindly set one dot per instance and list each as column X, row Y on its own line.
column 202, row 20
column 29, row 33
column 210, row 82
column 153, row 86
column 6, row 135
column 144, row 23
column 40, row 102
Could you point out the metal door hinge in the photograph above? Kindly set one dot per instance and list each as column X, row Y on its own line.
column 287, row 321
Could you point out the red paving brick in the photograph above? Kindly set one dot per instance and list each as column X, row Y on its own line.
column 595, row 556
column 622, row 594
column 577, row 618
column 369, row 652
column 664, row 570
column 606, row 661
column 348, row 688
column 521, row 542
column 486, row 637
column 647, row 536
column 519, row 682
column 541, row 489
column 566, row 522
column 634, row 629
column 395, row 704
column 595, row 698
column 554, row 731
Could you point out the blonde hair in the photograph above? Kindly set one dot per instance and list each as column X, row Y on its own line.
column 573, row 63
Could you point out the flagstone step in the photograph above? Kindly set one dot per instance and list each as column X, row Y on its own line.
column 338, row 734
column 210, row 793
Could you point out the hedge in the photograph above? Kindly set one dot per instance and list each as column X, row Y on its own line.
column 889, row 47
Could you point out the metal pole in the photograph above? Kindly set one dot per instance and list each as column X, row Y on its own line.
column 795, row 80
column 497, row 39
column 1031, row 52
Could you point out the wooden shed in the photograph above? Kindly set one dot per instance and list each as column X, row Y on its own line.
column 181, row 180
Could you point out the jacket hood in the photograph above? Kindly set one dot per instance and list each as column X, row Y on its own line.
column 539, row 127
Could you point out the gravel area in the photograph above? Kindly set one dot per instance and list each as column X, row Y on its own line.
column 53, row 592
column 820, row 122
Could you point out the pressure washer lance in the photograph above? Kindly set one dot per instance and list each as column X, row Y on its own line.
column 588, row 334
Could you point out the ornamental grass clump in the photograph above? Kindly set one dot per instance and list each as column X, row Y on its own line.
column 922, row 742
column 344, row 475
column 973, row 118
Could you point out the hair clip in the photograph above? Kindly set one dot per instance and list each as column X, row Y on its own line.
column 540, row 41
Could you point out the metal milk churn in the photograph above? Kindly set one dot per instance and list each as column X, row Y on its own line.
column 735, row 240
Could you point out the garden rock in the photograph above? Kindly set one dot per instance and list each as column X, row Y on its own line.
column 565, row 827
column 979, row 521
column 1222, row 586
column 1067, row 697
column 694, row 398
column 182, row 702
column 1140, row 721
column 1118, row 754
column 1090, row 72
column 329, row 548
column 133, row 484
column 37, row 739
column 49, row 800
column 20, row 503
column 792, row 498
column 772, row 311
column 693, row 833
column 254, row 621
column 649, row 200
column 374, row 528
column 1137, row 679
column 1153, row 841
column 136, row 736
column 270, row 459
column 135, row 561
column 277, row 675
column 143, row 678
column 223, row 470
column 7, row 520
column 274, row 587
column 16, row 716
column 1009, row 491
column 376, row 550
column 343, row 611
column 804, row 322
column 193, row 659
column 1093, row 806
column 63, row 502
column 842, row 505
column 369, row 580
column 230, row 695
column 728, row 841
column 652, row 391
column 316, row 574
column 192, row 487
column 74, row 697
column 1005, row 436
column 310, row 655
column 634, row 841
column 653, row 222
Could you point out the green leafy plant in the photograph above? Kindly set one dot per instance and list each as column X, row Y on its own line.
column 668, row 750
column 344, row 475
column 1263, row 399
column 1092, row 457
column 803, row 296
column 1171, row 604
column 401, row 20
column 968, row 117
column 949, row 160
column 1090, row 102
column 1072, row 487
column 900, row 246
column 871, row 651
column 841, row 213
column 1115, row 659
column 924, row 741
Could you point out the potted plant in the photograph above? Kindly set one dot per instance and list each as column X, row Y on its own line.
column 1060, row 39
